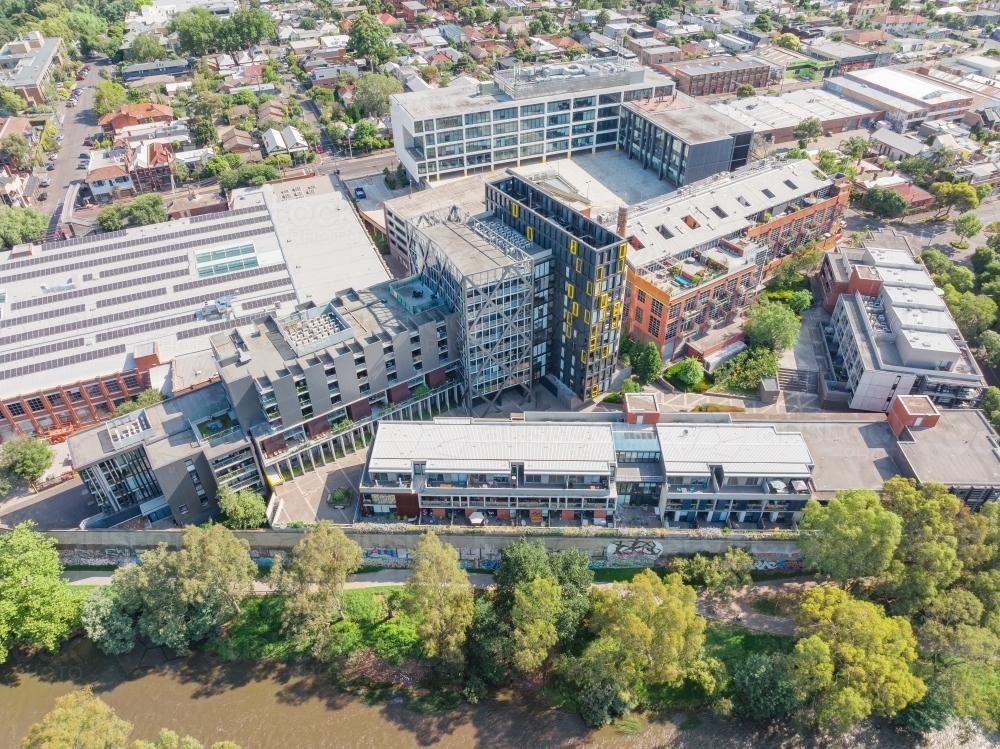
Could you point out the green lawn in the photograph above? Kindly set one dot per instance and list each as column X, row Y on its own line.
column 731, row 644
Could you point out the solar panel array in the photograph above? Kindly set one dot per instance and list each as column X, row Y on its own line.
column 143, row 311
column 223, row 325
column 41, row 350
column 268, row 301
column 47, row 315
column 229, row 277
column 131, row 297
column 91, row 290
column 143, row 266
column 65, row 361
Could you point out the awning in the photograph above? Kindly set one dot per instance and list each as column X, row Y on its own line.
column 152, row 505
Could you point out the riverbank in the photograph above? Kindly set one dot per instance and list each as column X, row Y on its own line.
column 268, row 704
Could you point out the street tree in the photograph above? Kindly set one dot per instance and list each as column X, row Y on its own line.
column 37, row 606
column 950, row 195
column 372, row 92
column 108, row 96
column 440, row 596
column 245, row 509
column 974, row 313
column 850, row 537
column 533, row 620
column 313, row 584
column 789, row 41
column 772, row 326
column 81, row 721
column 647, row 365
column 989, row 342
column 967, row 225
column 251, row 25
column 885, row 202
column 855, row 147
column 20, row 225
column 145, row 48
column 853, row 660
column 26, row 457
column 15, row 149
column 368, row 38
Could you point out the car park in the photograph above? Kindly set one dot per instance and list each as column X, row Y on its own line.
column 360, row 193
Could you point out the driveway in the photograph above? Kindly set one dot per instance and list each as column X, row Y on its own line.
column 62, row 507
column 77, row 123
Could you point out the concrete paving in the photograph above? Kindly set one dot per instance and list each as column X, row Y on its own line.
column 304, row 498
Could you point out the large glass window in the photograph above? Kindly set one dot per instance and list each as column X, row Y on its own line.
column 506, row 127
column 533, row 123
column 510, row 113
column 530, row 109
column 558, row 132
column 476, row 132
column 444, row 123
column 585, row 128
column 559, row 145
column 508, row 154
column 584, row 116
column 559, row 106
column 584, row 101
column 607, row 112
column 509, row 140
column 477, row 145
column 532, row 137
column 446, row 164
column 558, row 119
column 532, row 150
column 475, row 119
column 449, row 137
column 609, row 99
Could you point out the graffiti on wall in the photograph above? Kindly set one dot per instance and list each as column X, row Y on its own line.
column 784, row 562
column 379, row 556
column 630, row 553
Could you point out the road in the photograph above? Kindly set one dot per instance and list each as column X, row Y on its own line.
column 61, row 507
column 77, row 123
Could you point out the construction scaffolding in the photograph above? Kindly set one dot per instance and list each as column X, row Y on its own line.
column 484, row 273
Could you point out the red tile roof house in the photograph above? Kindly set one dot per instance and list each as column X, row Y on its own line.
column 916, row 198
column 134, row 114
column 387, row 19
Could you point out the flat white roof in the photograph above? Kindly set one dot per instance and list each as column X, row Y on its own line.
column 911, row 86
column 464, row 445
column 741, row 450
column 904, row 296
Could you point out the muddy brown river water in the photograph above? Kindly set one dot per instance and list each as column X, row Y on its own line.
column 266, row 705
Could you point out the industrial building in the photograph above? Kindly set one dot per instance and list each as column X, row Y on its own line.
column 165, row 461
column 698, row 257
column 891, row 333
column 522, row 114
column 718, row 75
column 845, row 57
column 83, row 320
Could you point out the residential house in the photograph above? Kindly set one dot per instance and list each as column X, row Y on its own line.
column 133, row 114
column 12, row 185
column 138, row 71
column 894, row 146
column 107, row 174
column 271, row 110
column 236, row 141
column 513, row 24
column 867, row 37
column 288, row 140
column 410, row 9
column 149, row 164
column 17, row 126
column 900, row 24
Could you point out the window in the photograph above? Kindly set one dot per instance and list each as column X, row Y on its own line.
column 558, row 132
column 533, row 124
column 476, row 132
column 184, row 509
column 559, row 106
column 610, row 99
column 641, row 295
column 767, row 192
column 558, row 119
column 654, row 327
column 585, row 116
column 506, row 127
column 509, row 140
column 585, row 101
column 638, row 314
column 475, row 119
column 534, row 137
column 656, row 308
column 792, row 185
column 531, row 109
column 444, row 123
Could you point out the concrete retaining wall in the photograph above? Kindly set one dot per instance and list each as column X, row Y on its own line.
column 475, row 550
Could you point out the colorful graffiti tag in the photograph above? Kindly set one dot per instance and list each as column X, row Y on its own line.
column 384, row 557
column 630, row 553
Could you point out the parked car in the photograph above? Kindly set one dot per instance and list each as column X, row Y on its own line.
column 71, row 103
column 319, row 148
column 50, row 167
column 88, row 142
column 360, row 193
column 45, row 182
column 83, row 165
column 43, row 197
column 53, row 157
column 84, row 155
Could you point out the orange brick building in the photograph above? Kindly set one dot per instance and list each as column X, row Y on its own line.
column 698, row 260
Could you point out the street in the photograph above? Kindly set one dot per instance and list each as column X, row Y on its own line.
column 63, row 506
column 77, row 123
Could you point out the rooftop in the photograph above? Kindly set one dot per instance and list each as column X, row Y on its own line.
column 21, row 65
column 900, row 83
column 960, row 450
column 851, row 87
column 715, row 65
column 78, row 309
column 824, row 48
column 461, row 445
column 789, row 109
column 741, row 449
column 687, row 119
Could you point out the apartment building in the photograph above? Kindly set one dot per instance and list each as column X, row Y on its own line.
column 718, row 75
column 83, row 320
column 26, row 64
column 891, row 333
column 523, row 114
column 165, row 461
column 653, row 51
column 309, row 383
column 698, row 257
column 682, row 140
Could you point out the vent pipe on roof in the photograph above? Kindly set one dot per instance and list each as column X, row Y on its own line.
column 622, row 220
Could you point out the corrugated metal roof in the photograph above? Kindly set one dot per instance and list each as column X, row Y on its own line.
column 741, row 449
column 548, row 446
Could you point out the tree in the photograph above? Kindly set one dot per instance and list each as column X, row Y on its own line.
column 930, row 713
column 490, row 642
column 762, row 22
column 603, row 18
column 176, row 598
column 313, row 584
column 533, row 619
column 204, row 133
column 854, row 148
column 26, row 457
column 973, row 313
column 520, row 563
column 15, row 149
column 916, row 167
column 146, row 48
column 11, row 101
column 808, row 129
column 926, row 561
column 745, row 91
column 251, row 25
column 762, row 690
column 885, row 202
column 440, row 596
column 789, row 41
column 954, row 195
column 646, row 363
column 308, row 23
column 800, row 301
column 108, row 96
column 37, row 606
column 572, row 570
column 20, row 225
column 967, row 225
column 148, row 397
column 690, row 371
column 197, row 31
column 247, row 175
column 772, row 326
column 372, row 91
column 79, row 720
column 112, row 218
column 984, row 254
column 368, row 38
column 107, row 622
column 145, row 210
column 245, row 509
column 989, row 340
column 853, row 661
column 852, row 536
column 723, row 573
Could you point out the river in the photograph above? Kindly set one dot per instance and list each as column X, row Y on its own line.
column 264, row 705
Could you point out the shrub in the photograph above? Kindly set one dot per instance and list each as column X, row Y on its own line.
column 747, row 368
